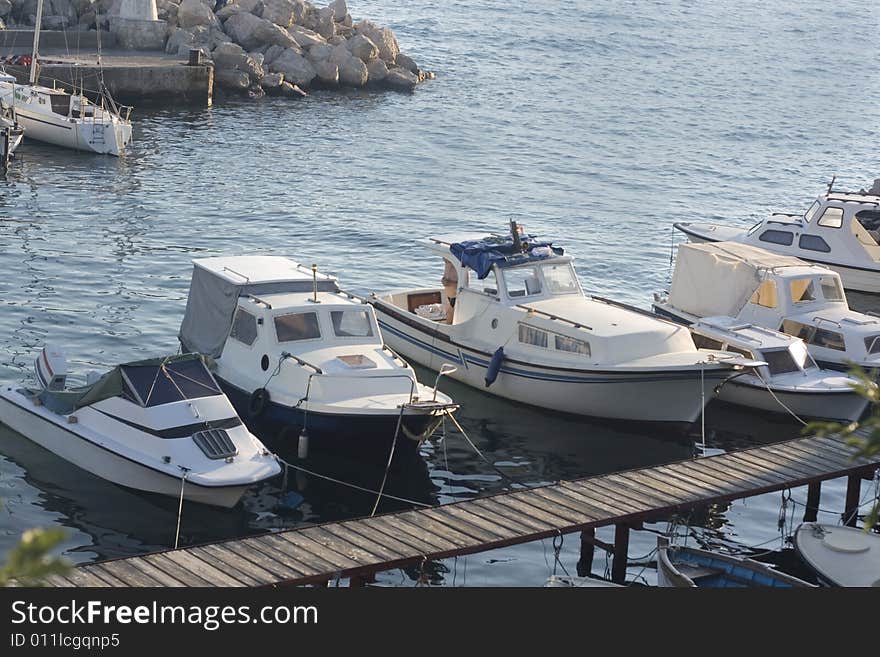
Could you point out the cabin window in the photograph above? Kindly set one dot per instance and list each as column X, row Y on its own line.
column 831, row 218
column 522, row 281
column 765, row 295
column 560, row 279
column 872, row 344
column 60, row 104
column 244, row 327
column 870, row 219
column 802, row 290
column 831, row 288
column 702, row 342
column 779, row 361
column 782, row 237
column 575, row 346
column 742, row 352
column 488, row 285
column 814, row 243
column 298, row 326
column 351, row 324
column 814, row 336
column 808, row 215
column 533, row 336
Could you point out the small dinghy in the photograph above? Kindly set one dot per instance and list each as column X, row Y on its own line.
column 841, row 556
column 788, row 381
column 291, row 347
column 686, row 567
column 143, row 425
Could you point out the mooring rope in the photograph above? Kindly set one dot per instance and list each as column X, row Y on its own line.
column 390, row 458
column 483, row 456
column 180, row 504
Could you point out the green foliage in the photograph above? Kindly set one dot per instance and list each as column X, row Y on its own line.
column 867, row 441
column 29, row 563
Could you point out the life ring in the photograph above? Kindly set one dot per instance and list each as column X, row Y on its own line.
column 258, row 401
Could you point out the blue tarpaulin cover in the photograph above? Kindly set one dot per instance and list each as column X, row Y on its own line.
column 480, row 255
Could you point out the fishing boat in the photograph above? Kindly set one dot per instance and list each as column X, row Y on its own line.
column 687, row 567
column 789, row 381
column 57, row 117
column 840, row 556
column 840, row 230
column 161, row 425
column 11, row 132
column 775, row 291
column 291, row 347
column 512, row 319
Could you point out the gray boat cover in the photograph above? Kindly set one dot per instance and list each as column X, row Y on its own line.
column 210, row 307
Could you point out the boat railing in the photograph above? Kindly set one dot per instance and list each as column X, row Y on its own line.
column 555, row 318
column 412, row 382
column 819, row 318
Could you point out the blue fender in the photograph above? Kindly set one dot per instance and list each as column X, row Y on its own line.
column 494, row 366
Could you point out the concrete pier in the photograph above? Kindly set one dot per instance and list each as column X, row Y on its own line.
column 132, row 77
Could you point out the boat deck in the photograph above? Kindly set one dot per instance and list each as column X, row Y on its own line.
column 359, row 548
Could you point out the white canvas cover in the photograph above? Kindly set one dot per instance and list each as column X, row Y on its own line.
column 210, row 307
column 718, row 278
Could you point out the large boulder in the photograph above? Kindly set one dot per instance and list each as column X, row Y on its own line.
column 254, row 7
column 305, row 37
column 326, row 25
column 195, row 12
column 386, row 42
column 361, row 47
column 227, row 55
column 327, row 72
column 377, row 70
column 408, row 63
column 291, row 90
column 272, row 53
column 229, row 10
column 340, row 9
column 400, row 78
column 319, row 53
column 179, row 40
column 339, row 54
column 232, row 79
column 296, row 68
column 272, row 80
column 279, row 12
column 252, row 32
column 353, row 72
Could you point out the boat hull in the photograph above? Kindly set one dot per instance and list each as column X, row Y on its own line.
column 672, row 397
column 844, row 406
column 65, row 442
column 75, row 135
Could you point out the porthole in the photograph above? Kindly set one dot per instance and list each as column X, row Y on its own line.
column 264, row 362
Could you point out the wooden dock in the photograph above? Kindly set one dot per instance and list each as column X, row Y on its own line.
column 360, row 548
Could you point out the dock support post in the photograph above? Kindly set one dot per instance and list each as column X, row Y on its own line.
column 851, row 509
column 588, row 547
column 814, row 492
column 621, row 548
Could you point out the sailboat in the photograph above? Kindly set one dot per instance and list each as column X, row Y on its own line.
column 57, row 117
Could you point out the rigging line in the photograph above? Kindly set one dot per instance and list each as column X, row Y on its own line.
column 481, row 455
column 390, row 458
column 180, row 505
column 778, row 401
column 350, row 485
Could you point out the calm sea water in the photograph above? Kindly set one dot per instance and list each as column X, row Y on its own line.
column 593, row 124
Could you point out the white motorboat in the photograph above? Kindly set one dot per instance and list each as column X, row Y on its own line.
column 522, row 328
column 840, row 556
column 788, row 382
column 145, row 425
column 57, row 117
column 11, row 132
column 290, row 347
column 687, row 567
column 778, row 292
column 840, row 230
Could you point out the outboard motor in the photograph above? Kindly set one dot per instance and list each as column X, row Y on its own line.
column 51, row 368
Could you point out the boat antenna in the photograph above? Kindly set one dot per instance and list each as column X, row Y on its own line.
column 831, row 184
column 314, row 298
column 37, row 25
column 514, row 231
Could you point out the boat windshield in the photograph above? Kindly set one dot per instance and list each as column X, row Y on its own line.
column 779, row 361
column 808, row 215
column 560, row 278
column 154, row 385
column 351, row 324
column 832, row 290
column 521, row 281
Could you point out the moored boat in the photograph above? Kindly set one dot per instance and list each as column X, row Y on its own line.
column 157, row 425
column 840, row 556
column 512, row 318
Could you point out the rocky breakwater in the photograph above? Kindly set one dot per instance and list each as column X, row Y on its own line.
column 288, row 46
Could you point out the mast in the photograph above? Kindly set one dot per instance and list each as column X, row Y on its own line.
column 36, row 41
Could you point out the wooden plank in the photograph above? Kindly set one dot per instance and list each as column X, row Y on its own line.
column 279, row 556
column 737, row 472
column 816, row 466
column 696, row 475
column 303, row 542
column 661, row 499
column 175, row 570
column 304, row 561
column 565, row 517
column 601, row 490
column 486, row 505
column 268, row 560
column 427, row 542
column 483, row 530
column 821, row 455
column 85, row 577
column 106, row 577
column 59, row 581
column 511, row 521
column 204, row 570
column 838, row 445
column 423, row 523
column 587, row 514
column 595, row 503
column 328, row 541
column 246, row 571
column 794, row 471
column 395, row 543
column 156, row 573
column 516, row 505
column 123, row 570
column 691, row 487
column 381, row 551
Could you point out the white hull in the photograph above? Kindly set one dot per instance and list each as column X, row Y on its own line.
column 675, row 396
column 97, row 137
column 36, row 424
column 842, row 406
